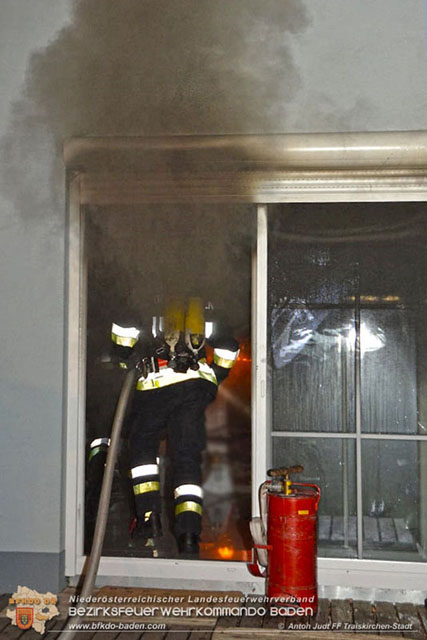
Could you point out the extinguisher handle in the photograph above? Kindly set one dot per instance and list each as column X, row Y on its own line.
column 284, row 471
column 313, row 486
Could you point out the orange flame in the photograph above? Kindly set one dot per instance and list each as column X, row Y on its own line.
column 225, row 553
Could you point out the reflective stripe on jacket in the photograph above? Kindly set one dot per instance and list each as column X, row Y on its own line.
column 167, row 376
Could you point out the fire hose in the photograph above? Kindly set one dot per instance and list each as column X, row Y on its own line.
column 104, row 501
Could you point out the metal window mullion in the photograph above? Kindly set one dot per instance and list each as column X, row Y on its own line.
column 260, row 435
column 347, row 436
column 73, row 373
column 81, row 422
column 358, row 424
column 392, row 436
column 313, row 434
column 344, row 443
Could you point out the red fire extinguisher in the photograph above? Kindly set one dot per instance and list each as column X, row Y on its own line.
column 285, row 539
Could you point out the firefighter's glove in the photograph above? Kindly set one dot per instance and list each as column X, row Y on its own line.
column 146, row 365
column 141, row 367
column 120, row 353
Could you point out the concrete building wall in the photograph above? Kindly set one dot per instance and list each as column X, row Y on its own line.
column 31, row 320
column 141, row 67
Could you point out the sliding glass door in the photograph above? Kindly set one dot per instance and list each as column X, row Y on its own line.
column 347, row 348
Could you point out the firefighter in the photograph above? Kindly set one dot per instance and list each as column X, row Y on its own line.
column 103, row 372
column 174, row 387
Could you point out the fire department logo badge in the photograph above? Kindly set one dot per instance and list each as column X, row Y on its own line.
column 24, row 617
column 32, row 609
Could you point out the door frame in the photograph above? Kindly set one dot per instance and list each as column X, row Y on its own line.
column 377, row 167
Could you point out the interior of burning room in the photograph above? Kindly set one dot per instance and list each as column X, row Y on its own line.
column 138, row 259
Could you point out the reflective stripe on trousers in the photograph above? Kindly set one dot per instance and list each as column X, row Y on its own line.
column 188, row 498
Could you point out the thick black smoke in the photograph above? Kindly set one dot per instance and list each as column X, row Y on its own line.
column 143, row 67
column 150, row 66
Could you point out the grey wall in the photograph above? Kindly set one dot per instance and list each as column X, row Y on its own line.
column 31, row 321
column 362, row 67
column 144, row 66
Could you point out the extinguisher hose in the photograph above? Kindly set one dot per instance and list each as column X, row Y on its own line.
column 262, row 497
column 104, row 500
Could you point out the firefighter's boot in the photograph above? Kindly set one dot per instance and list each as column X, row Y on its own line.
column 188, row 545
column 149, row 530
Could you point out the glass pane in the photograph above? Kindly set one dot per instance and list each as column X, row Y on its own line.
column 329, row 463
column 312, row 286
column 312, row 369
column 328, row 264
column 393, row 293
column 309, row 263
column 394, row 500
column 388, row 371
column 138, row 259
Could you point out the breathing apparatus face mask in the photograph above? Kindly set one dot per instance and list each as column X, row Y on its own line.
column 173, row 324
column 195, row 341
column 183, row 331
column 195, row 325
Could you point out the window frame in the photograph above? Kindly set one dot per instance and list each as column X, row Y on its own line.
column 385, row 167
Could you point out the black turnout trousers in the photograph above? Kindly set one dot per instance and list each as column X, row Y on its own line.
column 180, row 409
